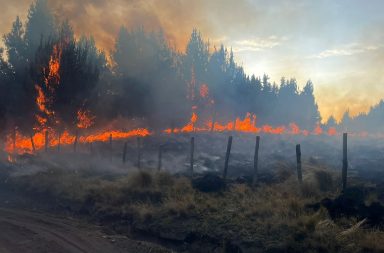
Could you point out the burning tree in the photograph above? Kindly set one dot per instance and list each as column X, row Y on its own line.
column 65, row 73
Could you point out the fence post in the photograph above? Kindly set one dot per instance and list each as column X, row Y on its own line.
column 33, row 144
column 192, row 153
column 46, row 141
column 298, row 159
column 75, row 142
column 345, row 161
column 14, row 141
column 213, row 121
column 229, row 145
column 59, row 142
column 256, row 160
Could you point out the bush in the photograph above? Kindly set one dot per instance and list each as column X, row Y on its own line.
column 140, row 179
column 164, row 179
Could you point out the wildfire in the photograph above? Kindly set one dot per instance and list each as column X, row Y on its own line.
column 24, row 144
column 41, row 102
column 294, row 129
column 204, row 91
column 85, row 119
column 53, row 75
column 246, row 125
column 318, row 130
column 51, row 79
column 332, row 131
column 45, row 136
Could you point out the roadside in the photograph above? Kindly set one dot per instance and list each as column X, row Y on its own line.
column 31, row 231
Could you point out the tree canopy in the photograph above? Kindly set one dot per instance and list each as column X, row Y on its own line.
column 49, row 76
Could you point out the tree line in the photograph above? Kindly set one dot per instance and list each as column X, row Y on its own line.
column 145, row 79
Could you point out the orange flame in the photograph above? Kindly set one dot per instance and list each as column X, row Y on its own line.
column 294, row 129
column 24, row 144
column 318, row 130
column 54, row 67
column 332, row 131
column 204, row 91
column 85, row 119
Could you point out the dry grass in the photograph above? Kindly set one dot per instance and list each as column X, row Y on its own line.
column 269, row 217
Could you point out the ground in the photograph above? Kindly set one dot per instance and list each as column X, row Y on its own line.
column 32, row 231
column 116, row 205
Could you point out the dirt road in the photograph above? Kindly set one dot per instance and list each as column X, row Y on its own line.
column 34, row 232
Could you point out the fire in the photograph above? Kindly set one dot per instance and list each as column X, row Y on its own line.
column 332, row 131
column 10, row 159
column 294, row 129
column 271, row 130
column 245, row 125
column 104, row 136
column 41, row 102
column 24, row 144
column 318, row 130
column 190, row 127
column 194, row 118
column 53, row 75
column 85, row 119
column 47, row 136
column 204, row 91
column 51, row 79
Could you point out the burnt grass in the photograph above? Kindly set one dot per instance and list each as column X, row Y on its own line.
column 207, row 214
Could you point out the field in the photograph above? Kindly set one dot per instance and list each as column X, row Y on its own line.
column 206, row 213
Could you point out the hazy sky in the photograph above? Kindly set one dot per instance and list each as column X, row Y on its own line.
column 338, row 44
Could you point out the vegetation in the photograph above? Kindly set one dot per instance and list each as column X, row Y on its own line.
column 269, row 218
column 146, row 79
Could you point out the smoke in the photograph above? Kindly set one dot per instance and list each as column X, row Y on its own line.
column 306, row 23
column 103, row 18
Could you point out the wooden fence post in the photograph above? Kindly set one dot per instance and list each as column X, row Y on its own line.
column 75, row 142
column 59, row 143
column 256, row 160
column 33, row 144
column 229, row 145
column 125, row 152
column 298, row 159
column 192, row 154
column 160, row 157
column 345, row 161
column 14, row 141
column 213, row 121
column 46, row 141
column 138, row 153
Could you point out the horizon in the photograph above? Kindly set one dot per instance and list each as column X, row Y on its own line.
column 335, row 45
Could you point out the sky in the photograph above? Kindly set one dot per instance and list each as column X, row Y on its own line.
column 338, row 44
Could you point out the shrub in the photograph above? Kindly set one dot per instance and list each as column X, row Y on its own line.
column 164, row 179
column 141, row 179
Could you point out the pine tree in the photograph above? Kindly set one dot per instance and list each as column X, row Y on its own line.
column 15, row 46
column 40, row 27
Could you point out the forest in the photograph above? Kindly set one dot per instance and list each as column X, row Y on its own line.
column 50, row 78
